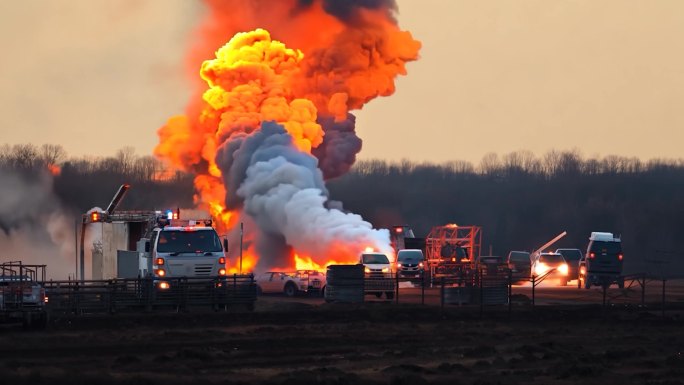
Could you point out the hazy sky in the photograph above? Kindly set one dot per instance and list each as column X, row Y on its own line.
column 601, row 76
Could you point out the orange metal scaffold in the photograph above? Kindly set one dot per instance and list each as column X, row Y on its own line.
column 450, row 249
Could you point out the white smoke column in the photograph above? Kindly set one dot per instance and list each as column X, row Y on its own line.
column 35, row 230
column 284, row 192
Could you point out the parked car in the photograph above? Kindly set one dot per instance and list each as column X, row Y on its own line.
column 552, row 263
column 572, row 257
column 410, row 263
column 378, row 274
column 602, row 264
column 491, row 265
column 520, row 264
column 22, row 299
column 290, row 284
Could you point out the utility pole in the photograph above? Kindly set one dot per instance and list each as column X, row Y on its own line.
column 241, row 236
column 75, row 248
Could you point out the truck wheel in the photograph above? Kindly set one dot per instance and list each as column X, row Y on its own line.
column 579, row 283
column 290, row 290
column 587, row 284
column 389, row 295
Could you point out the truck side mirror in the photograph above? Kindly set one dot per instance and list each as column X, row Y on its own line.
column 147, row 246
column 225, row 245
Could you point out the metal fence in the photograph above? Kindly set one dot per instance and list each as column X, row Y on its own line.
column 484, row 288
column 148, row 294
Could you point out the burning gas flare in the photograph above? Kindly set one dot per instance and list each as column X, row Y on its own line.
column 273, row 121
column 54, row 169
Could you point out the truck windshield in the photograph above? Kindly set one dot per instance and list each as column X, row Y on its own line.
column 410, row 256
column 374, row 259
column 177, row 241
column 570, row 254
column 519, row 256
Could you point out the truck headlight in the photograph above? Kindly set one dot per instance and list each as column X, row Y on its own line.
column 563, row 269
column 385, row 269
column 367, row 270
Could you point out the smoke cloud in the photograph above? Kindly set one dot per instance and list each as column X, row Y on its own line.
column 340, row 145
column 35, row 229
column 284, row 192
column 274, row 119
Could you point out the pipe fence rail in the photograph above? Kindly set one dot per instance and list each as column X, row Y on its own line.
column 150, row 294
column 487, row 287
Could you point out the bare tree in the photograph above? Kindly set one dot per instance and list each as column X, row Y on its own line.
column 490, row 165
column 24, row 156
column 126, row 158
column 459, row 167
column 52, row 154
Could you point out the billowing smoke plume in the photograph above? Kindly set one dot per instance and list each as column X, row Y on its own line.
column 275, row 120
column 35, row 230
column 340, row 145
column 283, row 190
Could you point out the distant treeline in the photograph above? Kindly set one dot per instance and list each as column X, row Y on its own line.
column 86, row 182
column 522, row 201
column 519, row 199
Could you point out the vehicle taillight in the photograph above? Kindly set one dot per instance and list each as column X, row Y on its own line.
column 222, row 271
column 164, row 285
column 160, row 272
column 222, row 261
column 592, row 255
column 453, row 259
column 159, row 261
column 619, row 257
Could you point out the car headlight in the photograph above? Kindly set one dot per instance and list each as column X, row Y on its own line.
column 540, row 269
column 385, row 270
column 563, row 269
column 367, row 270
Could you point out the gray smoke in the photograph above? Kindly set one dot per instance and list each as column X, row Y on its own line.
column 337, row 153
column 35, row 228
column 344, row 9
column 283, row 190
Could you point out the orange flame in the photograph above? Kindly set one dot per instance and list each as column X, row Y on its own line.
column 54, row 169
column 306, row 263
column 254, row 78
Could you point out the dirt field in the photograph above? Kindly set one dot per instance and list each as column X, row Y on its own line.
column 297, row 343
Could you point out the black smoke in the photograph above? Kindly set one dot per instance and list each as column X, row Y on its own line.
column 337, row 153
column 345, row 10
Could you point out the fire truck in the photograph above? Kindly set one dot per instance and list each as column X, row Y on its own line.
column 160, row 244
column 182, row 248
